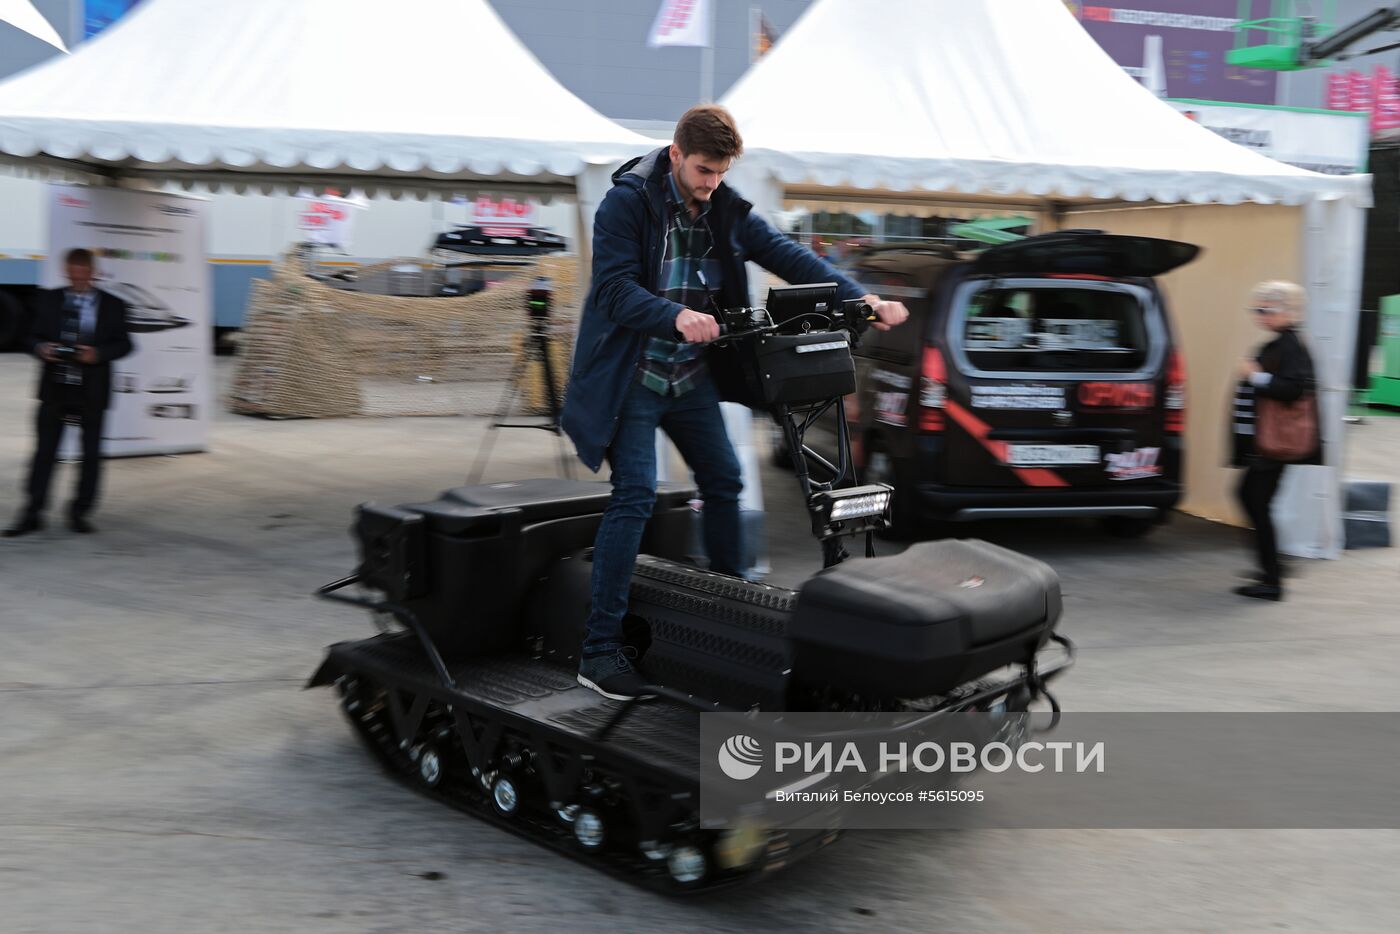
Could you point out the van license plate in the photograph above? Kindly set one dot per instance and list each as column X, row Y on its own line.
column 1051, row 455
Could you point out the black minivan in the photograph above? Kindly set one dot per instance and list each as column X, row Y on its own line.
column 1038, row 378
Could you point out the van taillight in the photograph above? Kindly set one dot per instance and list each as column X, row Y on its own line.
column 933, row 391
column 1175, row 398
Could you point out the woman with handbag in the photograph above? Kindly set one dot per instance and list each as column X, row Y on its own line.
column 1275, row 421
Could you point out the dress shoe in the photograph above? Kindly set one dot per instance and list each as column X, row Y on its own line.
column 1261, row 591
column 1254, row 574
column 81, row 525
column 24, row 527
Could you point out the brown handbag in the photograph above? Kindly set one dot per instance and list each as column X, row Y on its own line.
column 1285, row 431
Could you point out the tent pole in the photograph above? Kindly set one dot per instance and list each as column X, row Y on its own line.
column 707, row 61
column 584, row 241
column 707, row 74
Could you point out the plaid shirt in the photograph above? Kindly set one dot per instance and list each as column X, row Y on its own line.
column 671, row 367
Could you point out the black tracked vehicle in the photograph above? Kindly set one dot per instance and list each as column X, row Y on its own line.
column 469, row 691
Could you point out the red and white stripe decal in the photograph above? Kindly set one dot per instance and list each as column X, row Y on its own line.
column 978, row 429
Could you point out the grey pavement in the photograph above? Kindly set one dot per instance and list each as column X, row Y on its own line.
column 162, row 770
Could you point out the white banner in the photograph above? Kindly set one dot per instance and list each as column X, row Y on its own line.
column 150, row 253
column 1331, row 142
column 681, row 22
column 485, row 212
column 327, row 219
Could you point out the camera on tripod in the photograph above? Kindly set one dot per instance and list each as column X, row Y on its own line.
column 540, row 296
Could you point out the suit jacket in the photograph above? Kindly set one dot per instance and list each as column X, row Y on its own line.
column 110, row 338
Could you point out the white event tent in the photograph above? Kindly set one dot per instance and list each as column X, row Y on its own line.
column 417, row 97
column 1010, row 105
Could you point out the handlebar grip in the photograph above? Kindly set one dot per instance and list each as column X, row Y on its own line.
column 679, row 338
column 859, row 313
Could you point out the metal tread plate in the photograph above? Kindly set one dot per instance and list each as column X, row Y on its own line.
column 670, row 573
column 657, row 731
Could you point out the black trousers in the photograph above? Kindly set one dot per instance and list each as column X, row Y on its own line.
column 49, row 424
column 1256, row 493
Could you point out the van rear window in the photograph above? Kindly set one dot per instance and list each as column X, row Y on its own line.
column 1055, row 328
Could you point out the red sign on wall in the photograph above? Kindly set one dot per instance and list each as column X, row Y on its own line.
column 1362, row 91
column 1338, row 92
column 1385, row 115
column 506, row 212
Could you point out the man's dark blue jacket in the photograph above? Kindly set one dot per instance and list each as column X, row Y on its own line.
column 623, row 308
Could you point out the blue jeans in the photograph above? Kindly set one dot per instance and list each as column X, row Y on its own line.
column 695, row 425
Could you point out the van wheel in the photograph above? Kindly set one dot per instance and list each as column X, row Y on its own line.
column 880, row 467
column 1127, row 526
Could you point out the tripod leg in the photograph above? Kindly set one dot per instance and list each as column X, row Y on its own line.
column 483, row 454
column 566, row 463
column 551, row 390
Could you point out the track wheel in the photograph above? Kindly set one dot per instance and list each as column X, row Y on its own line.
column 505, row 796
column 430, row 765
column 589, row 830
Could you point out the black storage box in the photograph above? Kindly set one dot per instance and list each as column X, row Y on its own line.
column 922, row 622
column 465, row 562
column 717, row 637
column 780, row 369
column 393, row 550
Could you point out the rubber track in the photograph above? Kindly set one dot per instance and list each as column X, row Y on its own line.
column 636, row 870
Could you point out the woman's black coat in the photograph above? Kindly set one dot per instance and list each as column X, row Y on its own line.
column 1287, row 360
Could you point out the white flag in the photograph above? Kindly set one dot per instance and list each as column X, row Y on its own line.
column 681, row 22
column 22, row 15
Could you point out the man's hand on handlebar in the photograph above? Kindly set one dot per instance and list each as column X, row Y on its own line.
column 696, row 327
column 887, row 314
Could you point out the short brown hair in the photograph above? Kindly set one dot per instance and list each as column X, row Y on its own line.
column 709, row 129
column 80, row 256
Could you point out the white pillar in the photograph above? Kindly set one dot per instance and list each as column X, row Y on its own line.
column 1308, row 510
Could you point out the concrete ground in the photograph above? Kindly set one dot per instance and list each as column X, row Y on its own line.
column 161, row 769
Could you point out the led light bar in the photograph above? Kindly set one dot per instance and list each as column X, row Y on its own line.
column 853, row 507
column 852, row 510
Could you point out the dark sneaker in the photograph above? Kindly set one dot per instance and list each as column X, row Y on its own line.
column 1254, row 574
column 612, row 675
column 1261, row 591
column 80, row 525
column 24, row 525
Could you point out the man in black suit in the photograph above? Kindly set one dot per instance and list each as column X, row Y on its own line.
column 77, row 332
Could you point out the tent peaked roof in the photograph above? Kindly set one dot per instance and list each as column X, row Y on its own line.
column 417, row 88
column 1010, row 97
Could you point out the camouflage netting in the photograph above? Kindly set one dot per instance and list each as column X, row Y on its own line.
column 313, row 351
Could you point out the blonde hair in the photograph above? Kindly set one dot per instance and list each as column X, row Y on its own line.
column 1287, row 297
